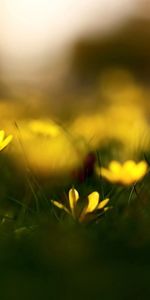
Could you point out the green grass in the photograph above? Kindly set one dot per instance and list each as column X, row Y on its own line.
column 45, row 254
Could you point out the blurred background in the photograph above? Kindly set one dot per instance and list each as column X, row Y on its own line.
column 58, row 48
column 78, row 65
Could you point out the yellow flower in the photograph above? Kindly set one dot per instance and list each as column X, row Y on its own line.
column 50, row 149
column 127, row 173
column 4, row 141
column 92, row 205
column 45, row 128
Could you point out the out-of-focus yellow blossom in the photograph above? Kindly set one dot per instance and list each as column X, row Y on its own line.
column 39, row 128
column 127, row 173
column 49, row 149
column 97, row 129
column 119, row 86
column 91, row 127
column 93, row 204
column 46, row 128
column 4, row 141
column 122, row 107
column 124, row 117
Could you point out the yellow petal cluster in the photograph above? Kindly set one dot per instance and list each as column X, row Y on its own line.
column 93, row 204
column 127, row 173
column 50, row 149
column 4, row 141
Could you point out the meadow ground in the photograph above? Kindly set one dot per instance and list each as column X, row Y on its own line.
column 75, row 198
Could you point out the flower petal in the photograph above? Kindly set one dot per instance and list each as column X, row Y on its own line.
column 2, row 134
column 93, row 200
column 129, row 166
column 110, row 176
column 60, row 205
column 73, row 198
column 115, row 167
column 131, row 172
column 107, row 208
column 103, row 203
column 5, row 142
column 141, row 170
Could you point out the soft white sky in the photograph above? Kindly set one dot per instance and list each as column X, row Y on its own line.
column 28, row 27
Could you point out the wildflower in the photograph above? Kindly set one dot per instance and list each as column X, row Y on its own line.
column 93, row 205
column 61, row 153
column 45, row 128
column 127, row 173
column 4, row 141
